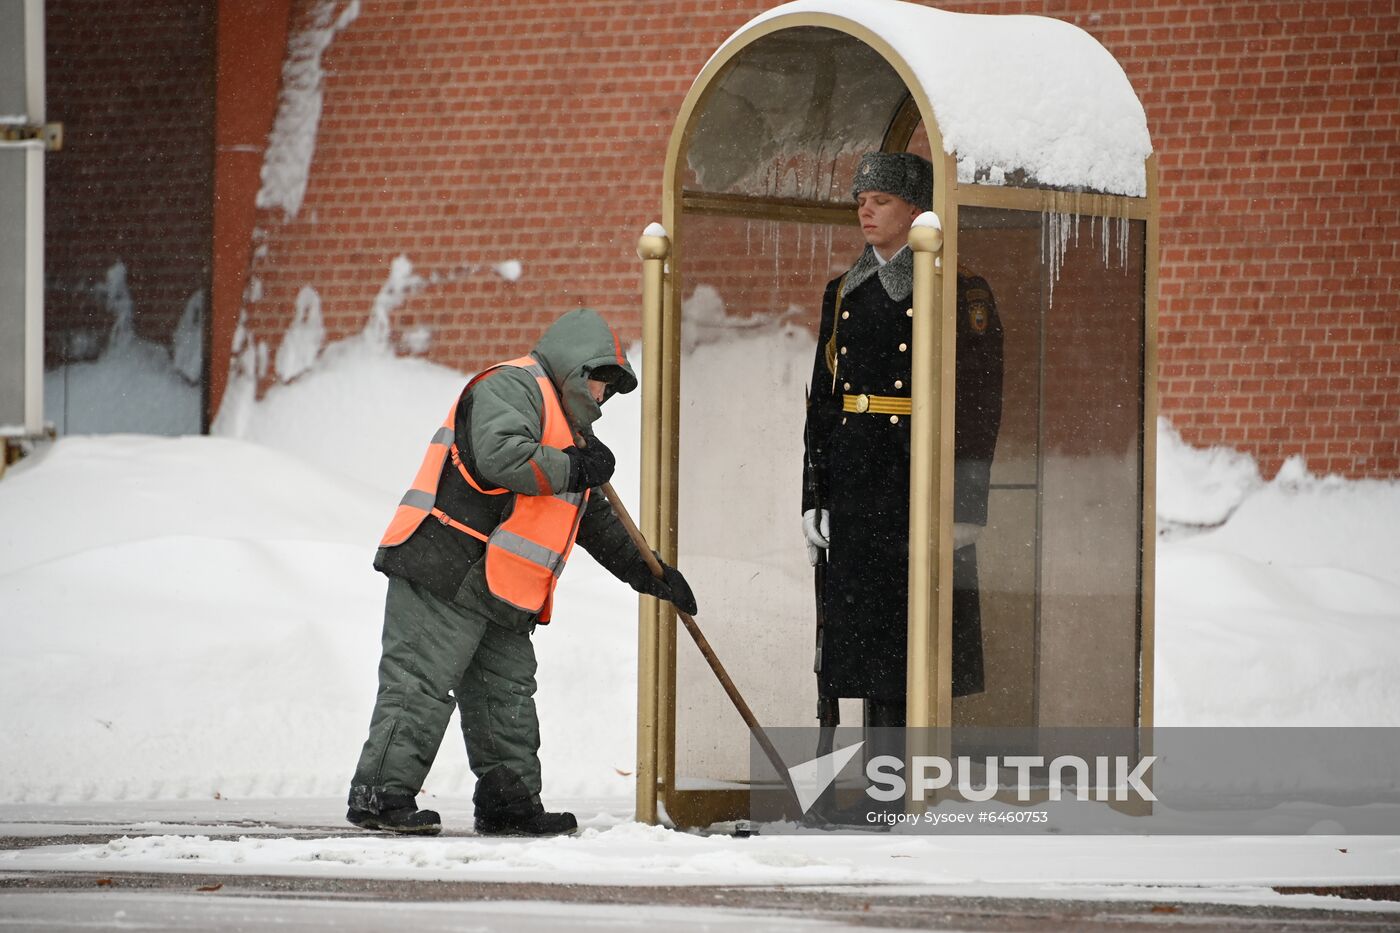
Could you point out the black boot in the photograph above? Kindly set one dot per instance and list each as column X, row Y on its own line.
column 393, row 813
column 884, row 735
column 505, row 807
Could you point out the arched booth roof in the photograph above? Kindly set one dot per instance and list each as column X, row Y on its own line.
column 1018, row 100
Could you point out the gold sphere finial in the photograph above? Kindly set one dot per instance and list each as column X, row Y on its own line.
column 926, row 236
column 654, row 243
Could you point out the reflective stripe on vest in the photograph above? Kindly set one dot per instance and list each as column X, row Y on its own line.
column 419, row 500
column 527, row 551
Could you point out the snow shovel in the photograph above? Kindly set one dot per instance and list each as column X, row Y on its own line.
column 701, row 642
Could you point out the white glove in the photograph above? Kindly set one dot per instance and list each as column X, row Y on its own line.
column 817, row 533
column 965, row 534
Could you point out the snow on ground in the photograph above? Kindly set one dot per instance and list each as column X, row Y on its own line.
column 196, row 619
column 164, row 837
column 198, row 616
column 1199, row 489
column 130, row 384
column 635, row 854
column 1287, row 613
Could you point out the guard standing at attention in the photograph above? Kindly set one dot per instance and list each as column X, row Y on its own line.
column 472, row 555
column 856, row 489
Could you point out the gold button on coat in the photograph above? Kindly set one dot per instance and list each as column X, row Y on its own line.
column 845, row 314
column 862, row 403
column 843, row 351
column 909, row 313
column 894, row 419
column 902, row 347
column 899, row 383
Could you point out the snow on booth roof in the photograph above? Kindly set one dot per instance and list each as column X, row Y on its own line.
column 1011, row 94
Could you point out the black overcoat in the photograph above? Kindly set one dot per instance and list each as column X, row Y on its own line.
column 858, row 468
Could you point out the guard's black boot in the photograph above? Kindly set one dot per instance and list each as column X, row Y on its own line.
column 393, row 813
column 505, row 807
column 884, row 735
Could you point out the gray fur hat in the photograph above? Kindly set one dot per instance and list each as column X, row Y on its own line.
column 902, row 174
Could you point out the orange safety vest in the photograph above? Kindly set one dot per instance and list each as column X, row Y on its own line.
column 526, row 552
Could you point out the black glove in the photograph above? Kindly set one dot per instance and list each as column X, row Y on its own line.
column 670, row 586
column 589, row 466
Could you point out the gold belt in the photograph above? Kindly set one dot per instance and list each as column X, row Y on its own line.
column 877, row 404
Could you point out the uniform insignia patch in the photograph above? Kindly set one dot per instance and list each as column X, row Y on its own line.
column 978, row 316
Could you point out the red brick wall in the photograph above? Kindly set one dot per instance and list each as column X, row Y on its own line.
column 1279, row 128
column 462, row 134
column 133, row 181
column 468, row 135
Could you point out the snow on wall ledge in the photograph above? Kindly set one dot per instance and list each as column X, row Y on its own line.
column 292, row 142
column 1011, row 92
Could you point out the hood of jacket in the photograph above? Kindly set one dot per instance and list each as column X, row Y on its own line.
column 575, row 345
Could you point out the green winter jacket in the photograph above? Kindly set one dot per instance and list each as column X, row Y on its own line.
column 499, row 424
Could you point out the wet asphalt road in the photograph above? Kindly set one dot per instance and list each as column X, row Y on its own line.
column 75, row 900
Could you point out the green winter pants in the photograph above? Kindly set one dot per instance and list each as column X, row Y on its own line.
column 437, row 655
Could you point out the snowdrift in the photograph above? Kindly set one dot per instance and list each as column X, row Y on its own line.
column 197, row 616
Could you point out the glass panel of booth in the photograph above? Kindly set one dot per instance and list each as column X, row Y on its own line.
column 752, row 293
column 790, row 115
column 1058, row 562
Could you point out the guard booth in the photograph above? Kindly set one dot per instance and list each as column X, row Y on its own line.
column 1044, row 185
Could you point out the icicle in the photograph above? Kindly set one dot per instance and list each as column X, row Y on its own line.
column 1059, row 228
column 1124, row 227
column 777, row 250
